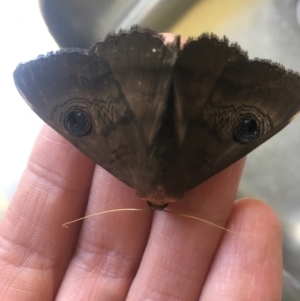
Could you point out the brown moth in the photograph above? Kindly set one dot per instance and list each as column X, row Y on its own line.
column 160, row 118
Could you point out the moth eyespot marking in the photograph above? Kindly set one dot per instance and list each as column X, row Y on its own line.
column 246, row 131
column 77, row 122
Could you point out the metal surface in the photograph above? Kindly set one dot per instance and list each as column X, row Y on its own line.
column 77, row 23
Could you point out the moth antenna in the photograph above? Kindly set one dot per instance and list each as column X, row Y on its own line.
column 200, row 219
column 137, row 209
column 100, row 213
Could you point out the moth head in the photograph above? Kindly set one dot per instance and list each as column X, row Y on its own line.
column 159, row 199
column 157, row 207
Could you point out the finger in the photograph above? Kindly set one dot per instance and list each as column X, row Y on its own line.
column 111, row 246
column 169, row 38
column 122, row 234
column 248, row 266
column 180, row 250
column 35, row 248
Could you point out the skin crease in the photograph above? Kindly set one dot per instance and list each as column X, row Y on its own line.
column 132, row 255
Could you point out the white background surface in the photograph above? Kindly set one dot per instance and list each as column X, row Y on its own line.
column 24, row 36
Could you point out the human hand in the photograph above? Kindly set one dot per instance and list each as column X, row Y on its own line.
column 131, row 255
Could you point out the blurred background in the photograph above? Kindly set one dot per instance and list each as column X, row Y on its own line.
column 267, row 29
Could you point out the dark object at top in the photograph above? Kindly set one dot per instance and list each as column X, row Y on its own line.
column 77, row 23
